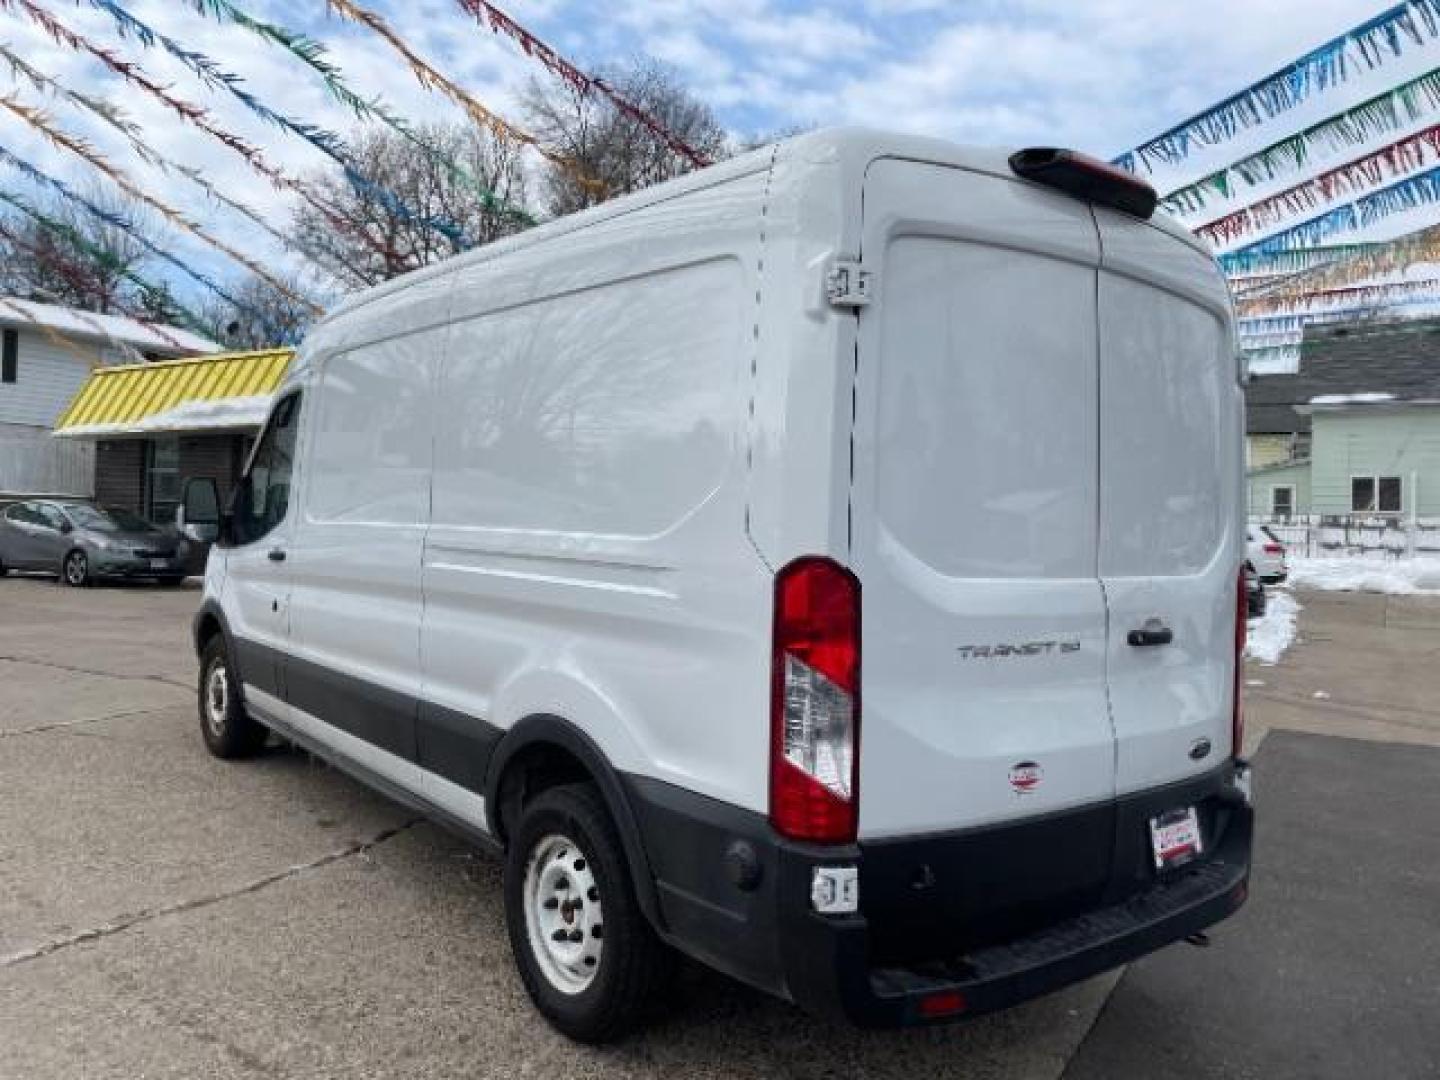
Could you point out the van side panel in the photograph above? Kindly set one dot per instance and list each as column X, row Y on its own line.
column 355, row 555
column 587, row 555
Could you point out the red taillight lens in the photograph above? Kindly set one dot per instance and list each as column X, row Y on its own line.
column 1274, row 549
column 1237, row 715
column 942, row 1003
column 815, row 702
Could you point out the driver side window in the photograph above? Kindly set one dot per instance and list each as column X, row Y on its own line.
column 264, row 495
column 49, row 517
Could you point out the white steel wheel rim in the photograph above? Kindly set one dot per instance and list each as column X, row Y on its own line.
column 217, row 699
column 563, row 916
column 75, row 568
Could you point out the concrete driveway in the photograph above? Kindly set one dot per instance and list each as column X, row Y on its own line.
column 163, row 914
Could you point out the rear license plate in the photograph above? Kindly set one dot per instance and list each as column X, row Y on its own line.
column 1175, row 838
column 159, row 564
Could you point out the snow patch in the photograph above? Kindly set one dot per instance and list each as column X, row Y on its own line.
column 1398, row 577
column 1274, row 632
column 1350, row 399
column 215, row 415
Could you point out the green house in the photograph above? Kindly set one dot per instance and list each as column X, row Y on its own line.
column 1356, row 431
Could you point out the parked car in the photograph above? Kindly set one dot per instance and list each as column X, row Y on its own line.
column 810, row 615
column 1266, row 553
column 79, row 543
column 1254, row 593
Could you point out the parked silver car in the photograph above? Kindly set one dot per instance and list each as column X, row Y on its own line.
column 79, row 543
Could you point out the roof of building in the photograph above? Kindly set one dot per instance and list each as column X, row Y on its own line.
column 1355, row 364
column 91, row 326
column 228, row 392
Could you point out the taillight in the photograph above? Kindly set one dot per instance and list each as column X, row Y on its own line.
column 1237, row 709
column 815, row 702
column 1274, row 549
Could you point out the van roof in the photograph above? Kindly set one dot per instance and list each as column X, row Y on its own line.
column 856, row 146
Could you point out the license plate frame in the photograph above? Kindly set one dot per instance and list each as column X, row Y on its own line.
column 1176, row 839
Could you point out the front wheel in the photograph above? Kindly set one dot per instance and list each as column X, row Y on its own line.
column 229, row 731
column 75, row 571
column 588, row 957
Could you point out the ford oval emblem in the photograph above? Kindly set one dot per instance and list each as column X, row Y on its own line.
column 1025, row 777
column 1199, row 749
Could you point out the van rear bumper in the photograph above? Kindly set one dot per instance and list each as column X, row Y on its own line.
column 831, row 972
column 736, row 896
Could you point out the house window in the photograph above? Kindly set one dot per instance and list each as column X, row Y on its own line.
column 1282, row 501
column 162, row 479
column 1375, row 494
column 10, row 357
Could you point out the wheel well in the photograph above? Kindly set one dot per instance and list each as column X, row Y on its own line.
column 536, row 768
column 205, row 629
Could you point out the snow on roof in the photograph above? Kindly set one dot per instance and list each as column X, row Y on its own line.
column 106, row 329
column 1364, row 398
column 220, row 414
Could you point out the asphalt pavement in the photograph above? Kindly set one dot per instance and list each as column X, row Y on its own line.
column 164, row 914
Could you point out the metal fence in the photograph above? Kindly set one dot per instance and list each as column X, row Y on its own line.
column 1319, row 535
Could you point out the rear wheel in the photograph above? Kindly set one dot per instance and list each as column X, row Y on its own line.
column 75, row 570
column 586, row 953
column 229, row 732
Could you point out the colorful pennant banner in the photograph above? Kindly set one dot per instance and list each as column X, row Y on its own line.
column 1381, row 115
column 153, row 294
column 1348, row 299
column 76, row 275
column 1422, row 189
column 124, row 224
column 312, row 54
column 1352, row 178
column 43, row 124
column 1375, row 41
column 116, row 119
column 327, row 142
column 488, row 14
column 199, row 118
column 428, row 77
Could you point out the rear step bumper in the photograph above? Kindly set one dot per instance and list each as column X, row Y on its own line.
column 1066, row 952
column 733, row 894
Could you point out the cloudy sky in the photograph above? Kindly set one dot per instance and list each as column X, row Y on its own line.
column 1101, row 75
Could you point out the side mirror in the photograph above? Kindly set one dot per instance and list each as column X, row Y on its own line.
column 66, row 528
column 198, row 515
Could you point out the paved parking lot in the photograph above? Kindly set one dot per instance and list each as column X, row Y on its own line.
column 163, row 914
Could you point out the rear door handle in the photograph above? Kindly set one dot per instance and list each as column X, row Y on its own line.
column 1152, row 633
column 276, row 555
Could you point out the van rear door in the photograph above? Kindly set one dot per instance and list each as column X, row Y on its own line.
column 974, row 509
column 1170, row 500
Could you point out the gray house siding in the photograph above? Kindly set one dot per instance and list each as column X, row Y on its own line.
column 1396, row 441
column 33, row 462
column 47, row 376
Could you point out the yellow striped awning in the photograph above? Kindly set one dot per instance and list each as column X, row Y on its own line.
column 228, row 391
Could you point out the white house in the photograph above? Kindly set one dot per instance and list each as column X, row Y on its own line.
column 46, row 355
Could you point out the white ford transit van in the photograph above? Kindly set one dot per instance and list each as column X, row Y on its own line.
column 825, row 565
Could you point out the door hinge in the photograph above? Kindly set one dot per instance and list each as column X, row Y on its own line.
column 848, row 284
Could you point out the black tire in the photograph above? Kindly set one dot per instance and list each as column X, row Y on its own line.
column 171, row 582
column 634, row 966
column 3, row 568
column 75, row 569
column 229, row 732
